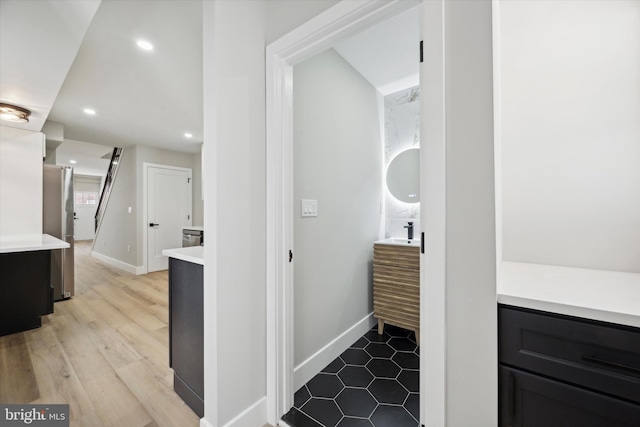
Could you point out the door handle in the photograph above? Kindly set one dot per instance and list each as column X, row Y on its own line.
column 151, row 224
column 596, row 360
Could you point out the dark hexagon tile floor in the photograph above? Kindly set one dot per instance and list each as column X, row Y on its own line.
column 374, row 383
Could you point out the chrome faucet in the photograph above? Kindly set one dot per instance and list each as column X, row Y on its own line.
column 409, row 230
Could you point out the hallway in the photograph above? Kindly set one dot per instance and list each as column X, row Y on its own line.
column 104, row 352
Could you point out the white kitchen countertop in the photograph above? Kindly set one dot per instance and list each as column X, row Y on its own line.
column 608, row 296
column 194, row 254
column 30, row 242
column 194, row 227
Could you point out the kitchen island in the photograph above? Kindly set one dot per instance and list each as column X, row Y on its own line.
column 186, row 324
column 27, row 294
column 569, row 346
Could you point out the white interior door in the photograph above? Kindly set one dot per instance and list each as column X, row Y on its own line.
column 85, row 204
column 168, row 210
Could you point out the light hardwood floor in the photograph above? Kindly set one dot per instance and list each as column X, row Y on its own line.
column 104, row 352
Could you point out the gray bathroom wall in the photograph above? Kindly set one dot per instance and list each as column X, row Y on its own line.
column 338, row 162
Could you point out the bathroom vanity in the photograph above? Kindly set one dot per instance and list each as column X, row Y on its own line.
column 569, row 347
column 396, row 284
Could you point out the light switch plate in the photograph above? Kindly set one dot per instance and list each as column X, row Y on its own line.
column 309, row 208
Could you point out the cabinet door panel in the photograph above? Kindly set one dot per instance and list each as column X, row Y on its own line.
column 186, row 319
column 594, row 355
column 26, row 290
column 528, row 400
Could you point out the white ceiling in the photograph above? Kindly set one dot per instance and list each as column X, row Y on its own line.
column 38, row 43
column 387, row 54
column 49, row 65
column 150, row 98
column 91, row 159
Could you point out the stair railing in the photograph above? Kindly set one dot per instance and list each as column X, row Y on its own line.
column 108, row 184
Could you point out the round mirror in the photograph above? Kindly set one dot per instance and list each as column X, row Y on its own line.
column 403, row 176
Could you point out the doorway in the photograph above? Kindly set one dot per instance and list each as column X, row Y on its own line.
column 356, row 107
column 86, row 193
column 167, row 200
column 282, row 202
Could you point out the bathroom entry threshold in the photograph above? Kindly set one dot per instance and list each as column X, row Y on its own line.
column 374, row 383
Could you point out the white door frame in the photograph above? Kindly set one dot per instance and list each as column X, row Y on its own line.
column 145, row 222
column 337, row 23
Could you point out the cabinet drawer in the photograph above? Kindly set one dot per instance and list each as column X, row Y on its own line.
column 407, row 257
column 594, row 355
column 534, row 401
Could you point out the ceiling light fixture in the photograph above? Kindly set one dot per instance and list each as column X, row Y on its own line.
column 188, row 135
column 13, row 113
column 89, row 111
column 72, row 162
column 144, row 45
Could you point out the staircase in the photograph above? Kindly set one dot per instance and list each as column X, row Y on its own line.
column 108, row 183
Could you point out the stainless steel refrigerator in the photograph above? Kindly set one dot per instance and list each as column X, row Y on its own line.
column 57, row 219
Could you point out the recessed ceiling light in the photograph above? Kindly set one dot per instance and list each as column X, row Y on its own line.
column 72, row 161
column 89, row 111
column 188, row 135
column 144, row 45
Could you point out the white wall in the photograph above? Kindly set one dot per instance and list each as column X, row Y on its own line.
column 147, row 154
column 235, row 36
column 284, row 16
column 471, row 318
column 458, row 298
column 337, row 161
column 198, row 200
column 234, row 274
column 570, row 106
column 121, row 234
column 118, row 227
column 21, row 153
column 402, row 131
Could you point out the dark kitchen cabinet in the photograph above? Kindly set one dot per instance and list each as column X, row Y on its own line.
column 564, row 371
column 26, row 290
column 186, row 332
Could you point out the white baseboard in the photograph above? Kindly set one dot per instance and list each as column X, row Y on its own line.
column 317, row 362
column 119, row 264
column 254, row 416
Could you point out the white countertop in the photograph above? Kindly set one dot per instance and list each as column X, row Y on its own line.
column 608, row 296
column 399, row 241
column 194, row 254
column 30, row 242
column 194, row 227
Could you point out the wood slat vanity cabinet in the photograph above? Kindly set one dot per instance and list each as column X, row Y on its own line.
column 396, row 286
column 561, row 371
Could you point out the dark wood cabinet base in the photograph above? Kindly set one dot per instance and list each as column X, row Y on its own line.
column 562, row 371
column 533, row 400
column 26, row 290
column 189, row 396
column 186, row 332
